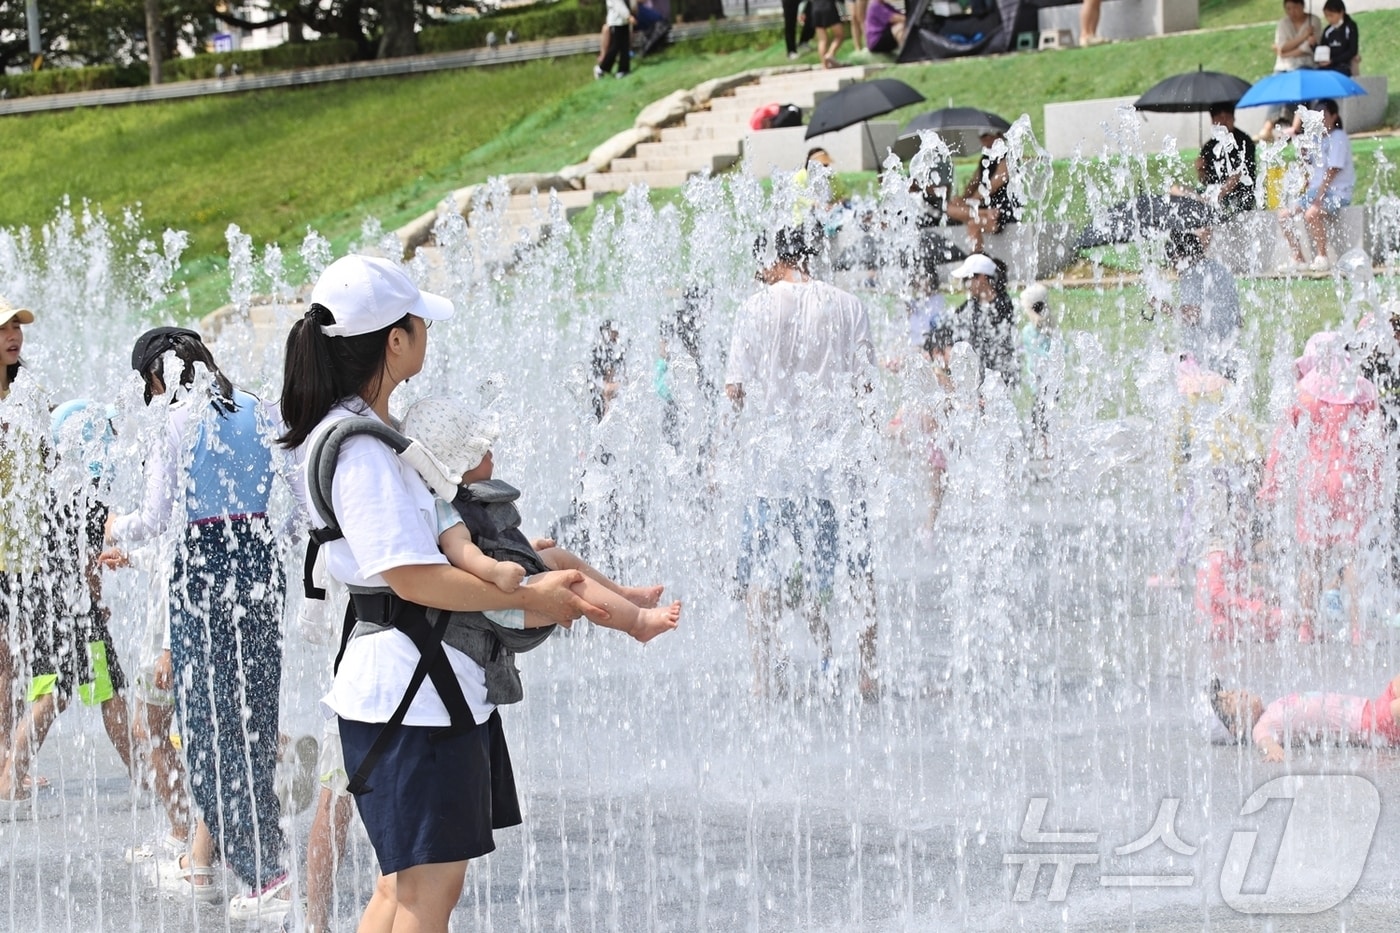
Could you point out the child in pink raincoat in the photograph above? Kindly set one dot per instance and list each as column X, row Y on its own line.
column 1327, row 453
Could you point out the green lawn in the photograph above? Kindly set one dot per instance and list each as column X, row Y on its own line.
column 329, row 157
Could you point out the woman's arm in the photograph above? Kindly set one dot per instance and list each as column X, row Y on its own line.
column 158, row 500
column 443, row 586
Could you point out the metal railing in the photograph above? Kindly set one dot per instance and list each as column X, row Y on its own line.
column 415, row 64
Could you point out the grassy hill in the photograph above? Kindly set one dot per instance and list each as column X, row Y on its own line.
column 330, row 156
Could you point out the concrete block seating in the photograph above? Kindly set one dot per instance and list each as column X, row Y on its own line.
column 1056, row 39
column 1087, row 125
column 852, row 149
column 1031, row 250
column 1127, row 19
column 1253, row 244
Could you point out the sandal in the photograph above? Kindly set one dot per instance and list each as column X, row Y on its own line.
column 178, row 879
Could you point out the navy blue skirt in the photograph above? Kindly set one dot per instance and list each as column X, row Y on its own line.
column 433, row 800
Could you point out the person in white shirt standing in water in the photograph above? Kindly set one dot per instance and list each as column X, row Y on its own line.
column 800, row 368
column 443, row 780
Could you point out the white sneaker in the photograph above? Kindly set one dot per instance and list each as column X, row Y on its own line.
column 186, row 881
column 598, row 72
column 271, row 902
column 1290, row 267
column 1320, row 263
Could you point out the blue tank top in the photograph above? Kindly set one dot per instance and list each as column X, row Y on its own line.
column 231, row 473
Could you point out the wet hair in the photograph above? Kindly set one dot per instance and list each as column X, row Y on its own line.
column 791, row 244
column 12, row 371
column 319, row 371
column 1002, row 279
column 190, row 350
column 813, row 151
column 1328, row 105
column 1184, row 245
column 1228, row 718
column 1219, row 109
column 1335, row 6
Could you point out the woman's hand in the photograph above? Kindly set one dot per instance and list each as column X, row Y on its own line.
column 551, row 594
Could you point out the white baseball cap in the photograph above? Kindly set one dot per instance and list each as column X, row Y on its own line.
column 975, row 264
column 454, row 433
column 367, row 294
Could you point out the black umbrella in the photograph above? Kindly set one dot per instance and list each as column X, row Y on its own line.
column 956, row 120
column 1131, row 219
column 860, row 102
column 1192, row 92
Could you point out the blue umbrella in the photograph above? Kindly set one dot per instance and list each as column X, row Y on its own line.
column 1295, row 87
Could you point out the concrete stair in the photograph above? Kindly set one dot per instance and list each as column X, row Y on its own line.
column 712, row 140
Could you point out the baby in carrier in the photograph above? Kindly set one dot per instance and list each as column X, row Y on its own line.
column 487, row 541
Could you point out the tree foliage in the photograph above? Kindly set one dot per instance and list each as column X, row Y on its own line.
column 113, row 32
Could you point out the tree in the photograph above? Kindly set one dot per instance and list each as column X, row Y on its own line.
column 154, row 50
column 399, row 36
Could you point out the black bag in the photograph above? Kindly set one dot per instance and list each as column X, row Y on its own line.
column 788, row 115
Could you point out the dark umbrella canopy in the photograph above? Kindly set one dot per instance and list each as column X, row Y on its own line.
column 860, row 102
column 1129, row 220
column 1295, row 87
column 1192, row 92
column 956, row 119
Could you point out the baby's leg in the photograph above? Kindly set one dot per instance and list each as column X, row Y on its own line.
column 642, row 623
column 556, row 558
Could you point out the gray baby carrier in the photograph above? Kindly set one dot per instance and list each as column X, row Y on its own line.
column 376, row 609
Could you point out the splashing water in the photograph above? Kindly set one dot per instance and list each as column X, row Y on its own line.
column 1033, row 682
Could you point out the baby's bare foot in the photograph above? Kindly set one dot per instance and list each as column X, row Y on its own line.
column 645, row 596
column 653, row 622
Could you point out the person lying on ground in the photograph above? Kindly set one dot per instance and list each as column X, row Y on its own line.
column 1310, row 717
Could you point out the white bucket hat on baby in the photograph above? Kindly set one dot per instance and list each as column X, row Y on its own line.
column 367, row 294
column 456, row 435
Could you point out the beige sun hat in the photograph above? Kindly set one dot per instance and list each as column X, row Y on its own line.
column 454, row 433
column 8, row 310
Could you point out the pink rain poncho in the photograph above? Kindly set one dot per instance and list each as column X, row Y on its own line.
column 1327, row 447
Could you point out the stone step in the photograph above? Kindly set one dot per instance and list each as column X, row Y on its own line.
column 568, row 197
column 718, row 118
column 677, row 161
column 621, row 181
column 700, row 149
column 703, row 134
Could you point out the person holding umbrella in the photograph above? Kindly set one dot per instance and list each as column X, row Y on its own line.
column 1331, row 181
column 1227, row 164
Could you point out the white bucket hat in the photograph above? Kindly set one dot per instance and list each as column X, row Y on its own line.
column 454, row 434
column 367, row 294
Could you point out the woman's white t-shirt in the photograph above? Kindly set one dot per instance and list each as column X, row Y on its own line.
column 386, row 512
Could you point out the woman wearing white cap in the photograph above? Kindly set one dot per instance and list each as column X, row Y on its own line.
column 439, row 785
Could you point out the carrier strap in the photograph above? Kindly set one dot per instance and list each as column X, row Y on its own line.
column 412, row 620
